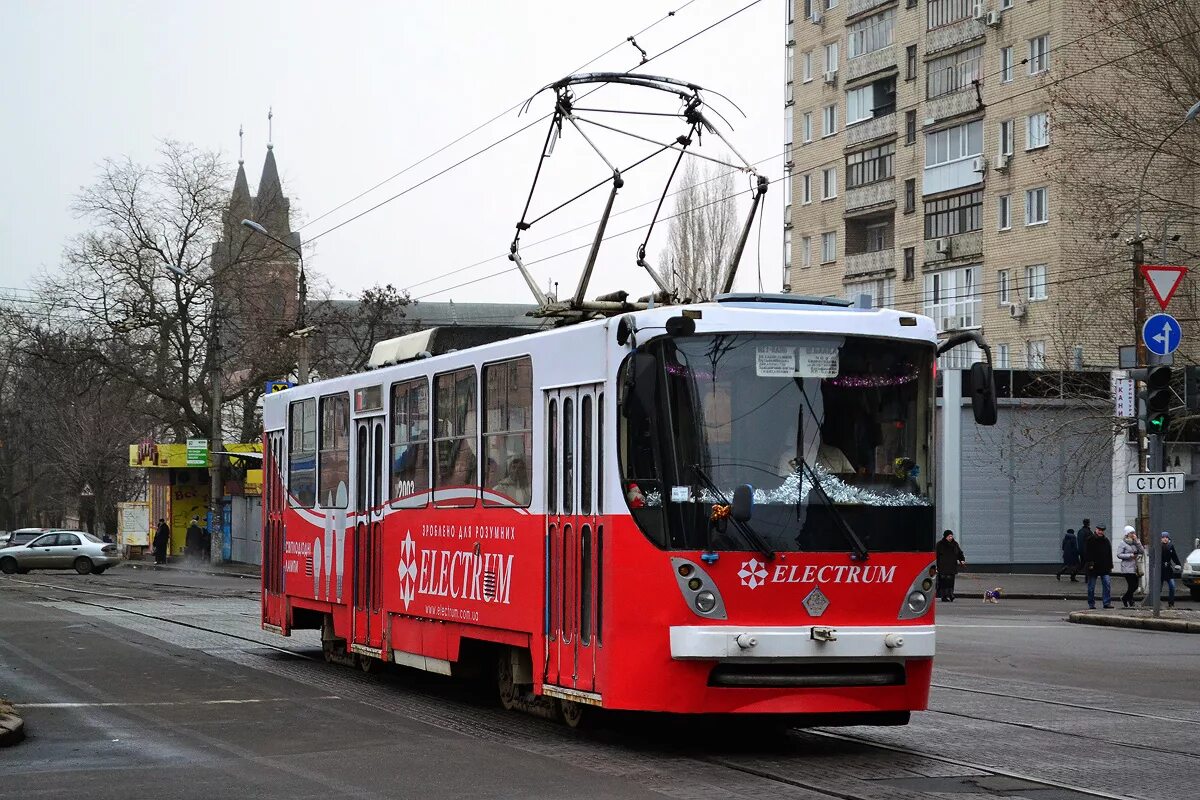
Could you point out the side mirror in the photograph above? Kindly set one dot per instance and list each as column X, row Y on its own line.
column 983, row 394
column 743, row 502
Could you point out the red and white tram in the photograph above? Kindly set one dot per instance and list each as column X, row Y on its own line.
column 723, row 507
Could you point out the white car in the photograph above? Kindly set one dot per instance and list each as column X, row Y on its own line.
column 56, row 549
column 1191, row 571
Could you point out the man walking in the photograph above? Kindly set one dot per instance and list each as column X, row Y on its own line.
column 1070, row 556
column 194, row 544
column 1081, row 537
column 162, row 537
column 1098, row 562
column 949, row 558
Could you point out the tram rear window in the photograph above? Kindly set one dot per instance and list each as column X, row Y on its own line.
column 302, row 452
column 508, row 432
column 333, row 478
column 456, row 468
column 410, row 443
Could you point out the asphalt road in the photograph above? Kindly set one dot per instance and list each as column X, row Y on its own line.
column 156, row 684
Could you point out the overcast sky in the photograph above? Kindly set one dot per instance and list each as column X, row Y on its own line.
column 360, row 91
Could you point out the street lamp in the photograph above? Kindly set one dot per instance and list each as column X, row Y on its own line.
column 301, row 331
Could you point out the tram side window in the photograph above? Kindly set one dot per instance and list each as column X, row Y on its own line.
column 410, row 443
column 302, row 452
column 455, row 439
column 333, row 476
column 508, row 431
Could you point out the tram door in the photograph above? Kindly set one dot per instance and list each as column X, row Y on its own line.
column 369, row 501
column 572, row 597
column 273, row 531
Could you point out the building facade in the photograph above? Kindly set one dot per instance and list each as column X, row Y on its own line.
column 926, row 170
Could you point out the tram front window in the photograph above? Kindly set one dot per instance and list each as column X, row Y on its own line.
column 790, row 415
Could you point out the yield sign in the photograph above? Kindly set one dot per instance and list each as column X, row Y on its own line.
column 1163, row 281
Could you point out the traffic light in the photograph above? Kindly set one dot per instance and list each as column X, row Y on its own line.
column 1156, row 399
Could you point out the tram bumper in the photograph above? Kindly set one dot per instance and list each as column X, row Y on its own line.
column 761, row 644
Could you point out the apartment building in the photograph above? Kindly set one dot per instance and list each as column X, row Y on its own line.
column 922, row 168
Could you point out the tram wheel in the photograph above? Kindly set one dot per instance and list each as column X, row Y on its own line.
column 510, row 695
column 574, row 715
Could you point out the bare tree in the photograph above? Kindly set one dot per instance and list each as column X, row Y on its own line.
column 702, row 234
column 347, row 331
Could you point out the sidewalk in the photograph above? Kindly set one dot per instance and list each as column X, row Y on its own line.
column 230, row 569
column 1173, row 620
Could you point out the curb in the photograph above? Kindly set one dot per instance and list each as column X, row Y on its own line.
column 1143, row 623
column 12, row 727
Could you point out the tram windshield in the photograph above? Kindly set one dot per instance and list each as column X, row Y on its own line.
column 832, row 434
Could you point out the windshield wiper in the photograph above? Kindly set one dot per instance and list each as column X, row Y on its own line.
column 856, row 543
column 748, row 533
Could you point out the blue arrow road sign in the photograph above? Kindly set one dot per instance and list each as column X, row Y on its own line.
column 1162, row 334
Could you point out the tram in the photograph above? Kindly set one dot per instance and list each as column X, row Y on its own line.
column 714, row 508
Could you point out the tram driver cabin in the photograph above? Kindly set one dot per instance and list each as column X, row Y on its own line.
column 724, row 507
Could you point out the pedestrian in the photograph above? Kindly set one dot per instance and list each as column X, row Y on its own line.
column 1098, row 563
column 194, row 543
column 162, row 538
column 1170, row 560
column 949, row 558
column 1129, row 554
column 1081, row 537
column 1070, row 556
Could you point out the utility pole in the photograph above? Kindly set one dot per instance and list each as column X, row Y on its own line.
column 216, row 525
column 302, row 326
column 1139, row 319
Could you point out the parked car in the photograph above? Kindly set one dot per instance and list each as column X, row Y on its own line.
column 75, row 550
column 22, row 536
column 1191, row 571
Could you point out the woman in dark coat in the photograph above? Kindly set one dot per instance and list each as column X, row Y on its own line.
column 162, row 538
column 949, row 558
column 1070, row 555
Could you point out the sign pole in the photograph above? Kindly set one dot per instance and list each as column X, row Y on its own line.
column 1154, row 595
column 1139, row 321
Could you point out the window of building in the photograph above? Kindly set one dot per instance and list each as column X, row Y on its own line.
column 910, row 195
column 806, row 67
column 806, row 188
column 1004, row 212
column 953, row 72
column 828, row 247
column 1005, row 4
column 872, row 33
column 806, row 127
column 302, row 452
column 805, row 251
column 333, row 477
column 877, row 237
column 880, row 290
column 1035, row 354
column 831, row 57
column 454, row 444
column 787, row 252
column 787, row 123
column 787, row 200
column 829, row 183
column 410, row 443
column 910, row 127
column 1002, row 287
column 877, row 99
column 1007, row 129
column 950, row 216
column 1037, row 210
column 910, row 263
column 870, row 166
column 1035, row 282
column 947, row 12
column 1039, row 54
column 1002, row 356
column 829, row 120
column 508, row 432
column 1037, row 130
column 953, row 144
column 789, row 71
column 910, row 63
column 1006, row 64
column 830, row 4
column 952, row 298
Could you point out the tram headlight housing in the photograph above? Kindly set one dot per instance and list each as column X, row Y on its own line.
column 706, row 601
column 919, row 597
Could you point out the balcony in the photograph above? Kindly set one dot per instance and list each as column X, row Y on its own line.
column 963, row 101
column 953, row 175
column 949, row 36
column 865, row 64
column 870, row 263
column 871, row 195
column 875, row 128
column 964, row 245
column 856, row 7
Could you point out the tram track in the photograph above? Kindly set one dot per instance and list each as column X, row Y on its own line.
column 722, row 761
column 1064, row 704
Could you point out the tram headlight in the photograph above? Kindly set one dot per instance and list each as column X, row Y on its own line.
column 694, row 584
column 918, row 598
column 706, row 601
column 926, row 585
column 685, row 569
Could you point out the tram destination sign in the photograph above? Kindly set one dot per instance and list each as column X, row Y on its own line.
column 1155, row 483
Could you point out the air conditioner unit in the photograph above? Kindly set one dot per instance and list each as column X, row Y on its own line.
column 942, row 245
column 994, row 19
column 831, row 76
column 981, row 13
column 1017, row 311
column 979, row 164
column 1002, row 162
column 817, row 18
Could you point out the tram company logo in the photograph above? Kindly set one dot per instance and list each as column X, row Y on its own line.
column 753, row 573
column 408, row 569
